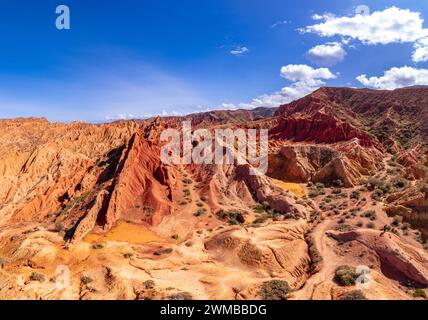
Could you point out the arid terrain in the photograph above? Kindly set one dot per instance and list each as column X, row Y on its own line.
column 342, row 212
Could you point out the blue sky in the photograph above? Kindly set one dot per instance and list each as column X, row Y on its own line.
column 138, row 58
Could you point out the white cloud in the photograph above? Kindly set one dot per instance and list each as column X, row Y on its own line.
column 305, row 80
column 279, row 23
column 392, row 25
column 396, row 78
column 421, row 51
column 303, row 73
column 327, row 54
column 239, row 51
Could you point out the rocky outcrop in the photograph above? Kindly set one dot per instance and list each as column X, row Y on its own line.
column 264, row 190
column 319, row 128
column 347, row 161
column 142, row 185
column 277, row 250
column 408, row 262
column 87, row 224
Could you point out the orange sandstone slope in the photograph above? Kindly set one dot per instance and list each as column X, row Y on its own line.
column 345, row 186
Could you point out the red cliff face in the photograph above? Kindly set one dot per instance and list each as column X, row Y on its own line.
column 319, row 128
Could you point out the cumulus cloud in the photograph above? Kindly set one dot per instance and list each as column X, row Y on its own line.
column 305, row 73
column 421, row 51
column 392, row 25
column 305, row 80
column 396, row 78
column 327, row 54
column 239, row 51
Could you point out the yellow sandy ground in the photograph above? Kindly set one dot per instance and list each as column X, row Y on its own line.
column 126, row 232
column 298, row 189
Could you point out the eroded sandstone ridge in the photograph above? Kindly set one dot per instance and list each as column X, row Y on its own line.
column 345, row 191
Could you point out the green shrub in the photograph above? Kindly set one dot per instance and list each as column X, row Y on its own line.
column 400, row 183
column 259, row 208
column 187, row 181
column 345, row 275
column 371, row 225
column 189, row 244
column 86, row 279
column 342, row 227
column 162, row 251
column 200, row 212
column 233, row 217
column 355, row 194
column 405, row 226
column 371, row 214
column 274, row 290
column 149, row 284
column 336, row 191
column 353, row 295
column 181, row 296
column 397, row 220
column 35, row 276
column 419, row 293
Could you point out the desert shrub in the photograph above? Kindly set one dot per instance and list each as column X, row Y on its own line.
column 36, row 276
column 342, row 227
column 2, row 263
column 355, row 194
column 162, row 251
column 187, row 181
column 266, row 205
column 189, row 244
column 338, row 183
column 274, row 290
column 128, row 255
column 200, row 204
column 377, row 194
column 378, row 184
column 400, row 183
column 233, row 217
column 371, row 225
column 149, row 284
column 419, row 293
column 259, row 208
column 261, row 219
column 313, row 193
column 175, row 236
column 405, row 226
column 186, row 192
column 203, row 198
column 314, row 214
column 97, row 246
column 345, row 275
column 86, row 279
column 359, row 224
column 371, row 214
column 336, row 191
column 397, row 220
column 200, row 212
column 353, row 295
column 181, row 296
column 320, row 185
